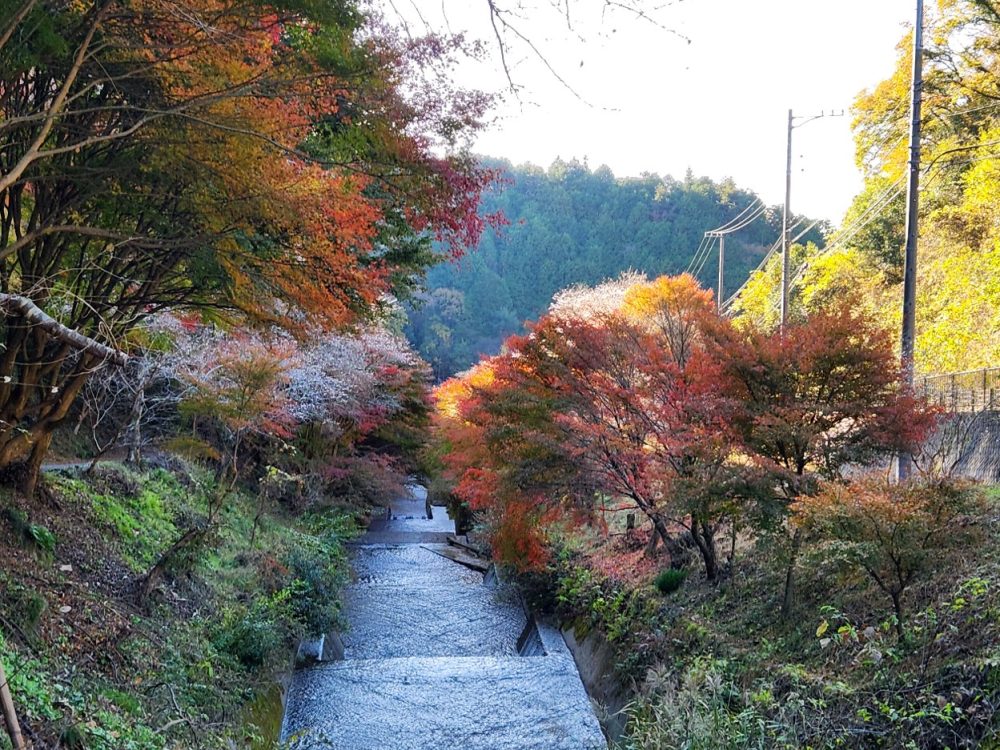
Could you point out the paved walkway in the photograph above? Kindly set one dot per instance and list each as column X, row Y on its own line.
column 431, row 658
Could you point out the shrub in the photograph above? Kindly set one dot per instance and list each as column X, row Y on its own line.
column 896, row 534
column 42, row 537
column 34, row 534
column 317, row 581
column 669, row 580
column 252, row 635
column 23, row 605
column 110, row 479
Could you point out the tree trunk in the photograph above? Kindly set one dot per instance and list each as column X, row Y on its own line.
column 9, row 714
column 33, row 466
column 897, row 605
column 29, row 446
column 789, row 596
column 654, row 538
column 660, row 533
column 704, row 538
column 135, row 427
column 152, row 579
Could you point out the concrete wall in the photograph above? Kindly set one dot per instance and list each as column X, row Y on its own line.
column 967, row 445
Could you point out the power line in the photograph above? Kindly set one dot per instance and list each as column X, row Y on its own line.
column 770, row 254
column 697, row 258
column 697, row 254
column 708, row 252
column 736, row 218
column 745, row 223
column 726, row 227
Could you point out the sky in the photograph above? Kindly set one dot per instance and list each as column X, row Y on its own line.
column 647, row 100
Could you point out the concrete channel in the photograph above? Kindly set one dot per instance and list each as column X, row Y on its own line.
column 435, row 658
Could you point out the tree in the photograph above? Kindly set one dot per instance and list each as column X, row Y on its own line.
column 259, row 160
column 235, row 394
column 958, row 205
column 823, row 395
column 895, row 533
column 516, row 28
column 590, row 405
column 676, row 309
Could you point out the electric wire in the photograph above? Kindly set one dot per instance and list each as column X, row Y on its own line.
column 745, row 223
column 739, row 216
column 704, row 260
column 697, row 254
column 697, row 258
column 770, row 254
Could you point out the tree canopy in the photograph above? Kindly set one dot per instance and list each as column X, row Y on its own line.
column 268, row 161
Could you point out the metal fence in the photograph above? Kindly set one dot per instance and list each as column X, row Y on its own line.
column 970, row 391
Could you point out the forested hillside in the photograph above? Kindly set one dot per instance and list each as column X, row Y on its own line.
column 570, row 225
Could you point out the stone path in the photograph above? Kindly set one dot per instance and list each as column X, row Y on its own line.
column 431, row 659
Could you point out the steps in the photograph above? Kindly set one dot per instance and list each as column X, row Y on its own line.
column 467, row 703
column 431, row 659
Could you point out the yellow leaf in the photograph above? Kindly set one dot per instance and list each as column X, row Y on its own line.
column 823, row 626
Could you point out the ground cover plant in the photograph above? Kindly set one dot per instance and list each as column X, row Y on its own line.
column 90, row 667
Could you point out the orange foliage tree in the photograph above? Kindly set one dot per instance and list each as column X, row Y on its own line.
column 278, row 160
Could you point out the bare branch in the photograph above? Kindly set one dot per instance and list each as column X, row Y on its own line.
column 15, row 22
column 14, row 304
column 31, row 154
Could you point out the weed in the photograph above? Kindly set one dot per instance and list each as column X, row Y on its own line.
column 669, row 580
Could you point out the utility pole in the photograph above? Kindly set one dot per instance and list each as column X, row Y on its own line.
column 785, row 218
column 904, row 460
column 722, row 262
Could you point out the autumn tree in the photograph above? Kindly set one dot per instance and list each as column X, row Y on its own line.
column 676, row 310
column 236, row 393
column 956, row 304
column 590, row 405
column 823, row 395
column 265, row 160
column 360, row 405
column 480, row 455
column 897, row 534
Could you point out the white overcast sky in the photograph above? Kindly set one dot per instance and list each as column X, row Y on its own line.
column 654, row 103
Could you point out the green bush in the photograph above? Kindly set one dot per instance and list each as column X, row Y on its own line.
column 252, row 635
column 669, row 580
column 317, row 581
column 250, row 639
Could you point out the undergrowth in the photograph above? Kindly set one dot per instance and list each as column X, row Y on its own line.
column 715, row 666
column 93, row 667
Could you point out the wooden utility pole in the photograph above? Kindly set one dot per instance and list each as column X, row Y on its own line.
column 907, row 337
column 785, row 219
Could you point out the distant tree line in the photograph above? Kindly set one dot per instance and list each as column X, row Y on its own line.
column 570, row 224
